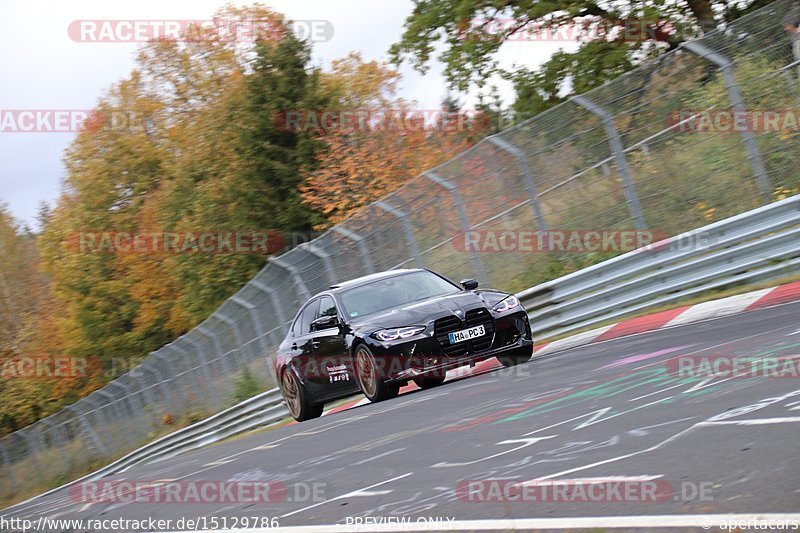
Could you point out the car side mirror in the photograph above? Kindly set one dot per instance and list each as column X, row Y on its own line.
column 469, row 284
column 324, row 322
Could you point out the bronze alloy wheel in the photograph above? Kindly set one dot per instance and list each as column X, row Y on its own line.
column 291, row 394
column 372, row 384
column 298, row 400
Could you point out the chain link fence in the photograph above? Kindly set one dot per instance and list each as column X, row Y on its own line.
column 618, row 157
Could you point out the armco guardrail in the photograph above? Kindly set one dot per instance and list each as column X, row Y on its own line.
column 261, row 410
column 258, row 411
column 754, row 246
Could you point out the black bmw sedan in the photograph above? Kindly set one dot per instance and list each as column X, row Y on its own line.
column 378, row 332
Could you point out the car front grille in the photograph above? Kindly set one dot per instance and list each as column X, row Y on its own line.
column 442, row 328
column 474, row 317
column 478, row 317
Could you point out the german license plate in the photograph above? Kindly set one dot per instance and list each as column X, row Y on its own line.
column 467, row 334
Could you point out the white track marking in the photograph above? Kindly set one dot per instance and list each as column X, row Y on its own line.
column 384, row 454
column 657, row 392
column 526, row 443
column 595, row 480
column 753, row 421
column 360, row 492
column 706, row 521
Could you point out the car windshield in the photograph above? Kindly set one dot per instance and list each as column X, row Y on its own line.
column 394, row 292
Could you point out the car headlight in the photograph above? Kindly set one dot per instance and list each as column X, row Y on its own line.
column 393, row 334
column 510, row 302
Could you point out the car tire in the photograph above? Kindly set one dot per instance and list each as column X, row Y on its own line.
column 369, row 380
column 516, row 358
column 299, row 401
column 429, row 382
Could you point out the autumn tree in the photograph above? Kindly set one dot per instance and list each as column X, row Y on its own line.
column 386, row 145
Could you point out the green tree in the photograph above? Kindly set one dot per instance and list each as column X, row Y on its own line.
column 616, row 37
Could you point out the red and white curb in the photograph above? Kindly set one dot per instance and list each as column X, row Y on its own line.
column 673, row 317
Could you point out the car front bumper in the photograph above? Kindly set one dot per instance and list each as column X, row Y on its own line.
column 402, row 362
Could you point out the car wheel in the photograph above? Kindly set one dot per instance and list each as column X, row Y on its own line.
column 299, row 401
column 429, row 382
column 517, row 358
column 369, row 379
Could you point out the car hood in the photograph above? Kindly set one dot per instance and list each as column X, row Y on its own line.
column 424, row 311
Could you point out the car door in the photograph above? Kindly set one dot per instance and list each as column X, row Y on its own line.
column 302, row 343
column 330, row 350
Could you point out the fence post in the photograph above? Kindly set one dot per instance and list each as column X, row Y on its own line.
column 33, row 449
column 226, row 365
column 299, row 284
column 204, row 368
column 737, row 103
column 314, row 250
column 258, row 327
column 281, row 312
column 402, row 216
column 190, row 372
column 527, row 175
column 615, row 142
column 9, row 469
column 166, row 394
column 236, row 335
column 101, row 445
column 475, row 256
column 362, row 246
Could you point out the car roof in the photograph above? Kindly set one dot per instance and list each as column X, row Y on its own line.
column 363, row 280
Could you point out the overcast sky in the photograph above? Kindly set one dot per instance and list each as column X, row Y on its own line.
column 43, row 69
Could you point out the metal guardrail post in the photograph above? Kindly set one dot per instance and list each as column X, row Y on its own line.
column 166, row 393
column 257, row 326
column 475, row 257
column 279, row 310
column 236, row 335
column 226, row 364
column 144, row 390
column 9, row 470
column 33, row 450
column 112, row 404
column 49, row 426
column 314, row 250
column 402, row 216
column 204, row 368
column 617, row 148
column 362, row 246
column 101, row 445
column 737, row 103
column 527, row 175
column 299, row 284
column 182, row 355
column 123, row 399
